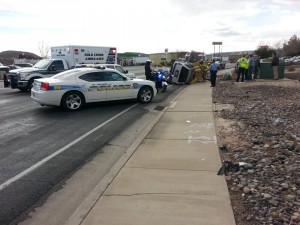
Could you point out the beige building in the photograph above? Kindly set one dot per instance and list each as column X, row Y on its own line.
column 158, row 58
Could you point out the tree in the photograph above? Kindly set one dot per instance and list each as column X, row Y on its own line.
column 278, row 45
column 292, row 47
column 44, row 51
column 264, row 51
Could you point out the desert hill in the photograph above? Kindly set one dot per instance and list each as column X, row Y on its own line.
column 7, row 57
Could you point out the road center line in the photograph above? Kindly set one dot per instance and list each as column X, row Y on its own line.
column 35, row 166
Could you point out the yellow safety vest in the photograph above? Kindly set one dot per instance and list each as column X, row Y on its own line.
column 243, row 62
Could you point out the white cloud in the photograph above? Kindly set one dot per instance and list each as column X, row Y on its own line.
column 147, row 27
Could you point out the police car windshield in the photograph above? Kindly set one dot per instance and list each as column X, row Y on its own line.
column 66, row 74
column 42, row 64
column 120, row 69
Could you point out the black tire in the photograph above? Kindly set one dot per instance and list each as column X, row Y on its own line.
column 30, row 84
column 23, row 89
column 145, row 95
column 72, row 101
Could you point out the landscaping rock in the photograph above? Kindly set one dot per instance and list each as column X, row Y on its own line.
column 264, row 131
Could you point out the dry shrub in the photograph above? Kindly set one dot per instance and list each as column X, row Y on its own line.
column 291, row 68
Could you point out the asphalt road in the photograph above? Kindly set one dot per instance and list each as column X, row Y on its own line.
column 40, row 147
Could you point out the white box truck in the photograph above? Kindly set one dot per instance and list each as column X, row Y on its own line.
column 62, row 58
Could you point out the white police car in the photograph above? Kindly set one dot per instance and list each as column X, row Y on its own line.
column 73, row 88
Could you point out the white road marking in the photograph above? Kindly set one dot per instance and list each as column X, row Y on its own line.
column 35, row 166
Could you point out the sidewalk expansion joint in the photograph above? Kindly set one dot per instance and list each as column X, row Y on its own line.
column 169, row 139
column 153, row 193
column 184, row 111
column 158, row 168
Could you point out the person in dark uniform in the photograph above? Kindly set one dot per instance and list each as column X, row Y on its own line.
column 257, row 67
column 274, row 65
column 148, row 70
column 213, row 69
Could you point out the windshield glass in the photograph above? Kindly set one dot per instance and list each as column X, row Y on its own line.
column 67, row 73
column 120, row 69
column 42, row 64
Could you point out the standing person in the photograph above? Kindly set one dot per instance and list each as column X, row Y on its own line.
column 251, row 67
column 203, row 70
column 242, row 62
column 257, row 67
column 148, row 70
column 246, row 68
column 6, row 83
column 274, row 64
column 196, row 67
column 213, row 69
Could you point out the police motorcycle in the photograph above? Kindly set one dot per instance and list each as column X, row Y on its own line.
column 160, row 81
column 167, row 75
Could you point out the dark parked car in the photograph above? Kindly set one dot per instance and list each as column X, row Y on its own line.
column 12, row 67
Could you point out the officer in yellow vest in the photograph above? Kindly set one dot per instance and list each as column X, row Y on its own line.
column 243, row 64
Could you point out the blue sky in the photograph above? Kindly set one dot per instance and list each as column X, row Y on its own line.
column 148, row 26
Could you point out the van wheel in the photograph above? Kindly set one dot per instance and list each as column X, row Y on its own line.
column 72, row 101
column 145, row 95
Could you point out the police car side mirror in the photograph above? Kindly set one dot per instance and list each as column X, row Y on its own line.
column 126, row 71
column 125, row 78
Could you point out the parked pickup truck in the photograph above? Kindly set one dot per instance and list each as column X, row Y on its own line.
column 23, row 78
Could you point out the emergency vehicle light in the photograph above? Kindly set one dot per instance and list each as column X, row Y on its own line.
column 44, row 86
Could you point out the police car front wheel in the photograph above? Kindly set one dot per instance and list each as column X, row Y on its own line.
column 145, row 94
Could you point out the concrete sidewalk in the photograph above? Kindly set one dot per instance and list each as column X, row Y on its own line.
column 171, row 177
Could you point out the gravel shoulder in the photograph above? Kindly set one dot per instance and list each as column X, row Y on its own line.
column 258, row 132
